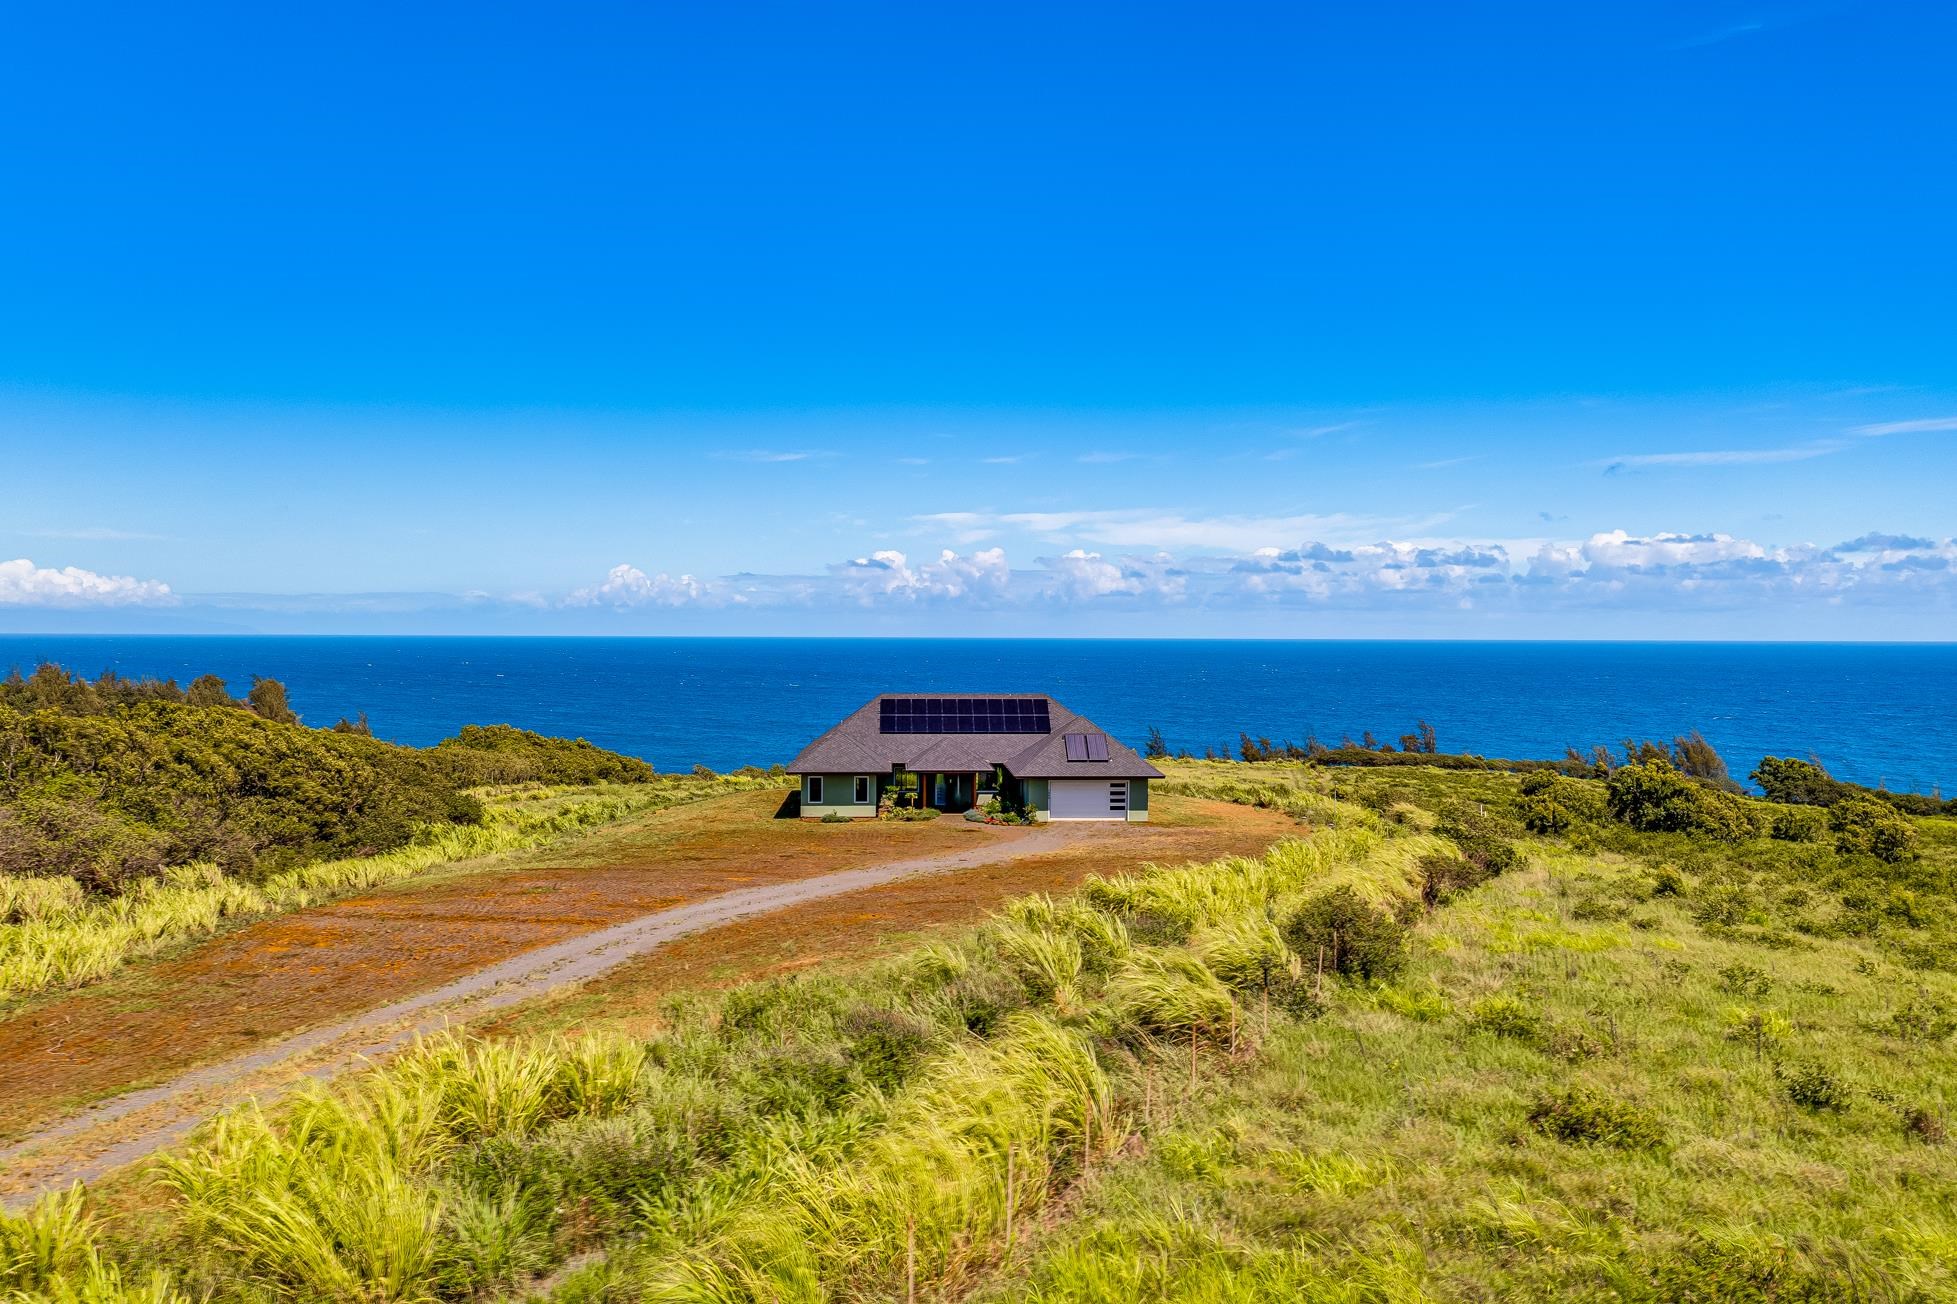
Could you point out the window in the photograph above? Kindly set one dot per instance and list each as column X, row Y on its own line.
column 815, row 790
column 1118, row 797
column 862, row 790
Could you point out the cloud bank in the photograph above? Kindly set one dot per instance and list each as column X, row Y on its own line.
column 1615, row 568
column 23, row 584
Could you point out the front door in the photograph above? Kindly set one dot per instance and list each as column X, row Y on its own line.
column 938, row 791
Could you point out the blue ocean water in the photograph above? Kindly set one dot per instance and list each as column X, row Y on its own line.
column 1871, row 713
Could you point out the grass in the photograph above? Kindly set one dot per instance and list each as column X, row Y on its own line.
column 1589, row 1078
column 54, row 936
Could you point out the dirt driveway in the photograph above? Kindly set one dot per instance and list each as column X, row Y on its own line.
column 304, row 994
column 224, row 995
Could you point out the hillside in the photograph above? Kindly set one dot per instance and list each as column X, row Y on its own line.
column 1418, row 1053
column 111, row 782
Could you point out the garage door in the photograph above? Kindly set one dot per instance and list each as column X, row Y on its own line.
column 1088, row 799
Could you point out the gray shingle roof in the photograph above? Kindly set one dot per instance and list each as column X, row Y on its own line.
column 856, row 745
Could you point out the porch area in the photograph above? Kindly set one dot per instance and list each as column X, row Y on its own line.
column 952, row 791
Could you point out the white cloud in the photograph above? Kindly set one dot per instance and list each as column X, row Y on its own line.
column 1149, row 529
column 1618, row 549
column 1881, row 428
column 628, row 586
column 888, row 573
column 97, row 534
column 775, row 455
column 1080, row 575
column 1657, row 572
column 1726, row 456
column 23, row 584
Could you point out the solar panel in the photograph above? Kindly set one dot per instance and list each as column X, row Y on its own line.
column 1076, row 747
column 1097, row 747
column 963, row 715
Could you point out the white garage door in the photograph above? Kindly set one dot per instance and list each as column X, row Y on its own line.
column 1088, row 799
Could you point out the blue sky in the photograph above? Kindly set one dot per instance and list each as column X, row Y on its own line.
column 1423, row 320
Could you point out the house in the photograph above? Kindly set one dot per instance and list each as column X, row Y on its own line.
column 954, row 753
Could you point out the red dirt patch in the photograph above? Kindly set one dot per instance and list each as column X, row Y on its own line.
column 861, row 925
column 278, row 976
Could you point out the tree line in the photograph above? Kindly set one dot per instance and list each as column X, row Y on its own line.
column 113, row 780
column 1780, row 779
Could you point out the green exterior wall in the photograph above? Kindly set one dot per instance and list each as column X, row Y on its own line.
column 1033, row 793
column 839, row 797
column 1138, row 801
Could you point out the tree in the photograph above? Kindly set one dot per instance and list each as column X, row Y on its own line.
column 1420, row 741
column 1158, row 746
column 267, row 700
column 1696, row 759
column 208, row 690
column 1797, row 783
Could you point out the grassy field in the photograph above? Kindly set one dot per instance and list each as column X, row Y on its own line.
column 1413, row 1054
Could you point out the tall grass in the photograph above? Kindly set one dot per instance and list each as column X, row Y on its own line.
column 333, row 1201
column 793, row 1140
column 53, row 935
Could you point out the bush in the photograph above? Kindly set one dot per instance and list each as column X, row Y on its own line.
column 1865, row 826
column 1925, row 1016
column 1443, row 876
column 1743, row 979
column 885, row 1045
column 1482, row 838
column 1553, row 804
column 1798, row 824
column 500, row 754
column 1357, row 939
column 1812, row 1085
column 1925, row 1124
column 1653, row 797
column 1505, row 1016
column 1582, row 1116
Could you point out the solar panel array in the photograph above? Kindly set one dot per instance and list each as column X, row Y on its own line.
column 1087, row 747
column 964, row 715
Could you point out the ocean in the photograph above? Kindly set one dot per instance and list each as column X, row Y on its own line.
column 1877, row 714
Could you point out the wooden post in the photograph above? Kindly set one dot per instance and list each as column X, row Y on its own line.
column 1087, row 1137
column 1148, row 1100
column 1318, row 983
column 1010, row 1194
column 1233, row 1027
column 910, row 1260
column 1192, row 1059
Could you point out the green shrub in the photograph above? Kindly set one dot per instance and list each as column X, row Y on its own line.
column 1505, row 1016
column 1356, row 939
column 1482, row 838
column 1653, row 797
column 1742, row 979
column 1925, row 1016
column 1442, row 877
column 1580, row 1115
column 1799, row 824
column 1730, row 1270
column 1925, row 1124
column 885, row 1045
column 1865, row 826
column 1813, row 1085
